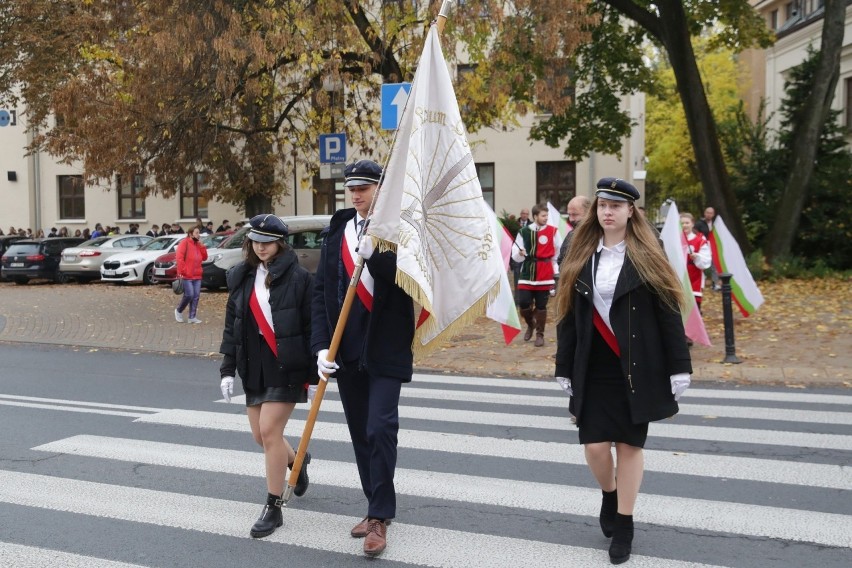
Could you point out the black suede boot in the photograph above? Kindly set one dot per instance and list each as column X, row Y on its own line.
column 270, row 519
column 302, row 483
column 622, row 539
column 609, row 507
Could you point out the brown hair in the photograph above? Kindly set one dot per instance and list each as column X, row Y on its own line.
column 538, row 208
column 254, row 261
column 643, row 248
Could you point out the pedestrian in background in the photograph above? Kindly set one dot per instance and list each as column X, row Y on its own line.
column 622, row 355
column 698, row 256
column 265, row 340
column 190, row 254
column 536, row 247
column 705, row 227
column 375, row 355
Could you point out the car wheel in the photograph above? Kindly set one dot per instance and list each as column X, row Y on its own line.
column 148, row 275
column 61, row 278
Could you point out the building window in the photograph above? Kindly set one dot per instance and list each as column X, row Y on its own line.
column 72, row 200
column 848, row 84
column 788, row 11
column 131, row 203
column 773, row 20
column 193, row 197
column 486, row 180
column 555, row 182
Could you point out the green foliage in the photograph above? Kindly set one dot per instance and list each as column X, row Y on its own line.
column 510, row 222
column 759, row 167
column 596, row 121
column 672, row 168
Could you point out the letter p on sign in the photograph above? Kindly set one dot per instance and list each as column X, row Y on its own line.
column 332, row 148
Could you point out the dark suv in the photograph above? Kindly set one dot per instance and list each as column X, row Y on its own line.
column 36, row 258
column 5, row 242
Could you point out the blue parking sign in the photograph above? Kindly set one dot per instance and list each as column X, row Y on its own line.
column 332, row 148
column 394, row 96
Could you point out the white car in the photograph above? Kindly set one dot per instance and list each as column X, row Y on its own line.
column 138, row 265
column 83, row 262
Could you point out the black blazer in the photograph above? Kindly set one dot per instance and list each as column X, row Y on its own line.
column 650, row 337
column 290, row 300
column 390, row 331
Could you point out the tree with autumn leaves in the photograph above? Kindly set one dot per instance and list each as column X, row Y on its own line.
column 241, row 89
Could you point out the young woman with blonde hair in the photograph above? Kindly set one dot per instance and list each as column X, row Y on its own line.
column 622, row 354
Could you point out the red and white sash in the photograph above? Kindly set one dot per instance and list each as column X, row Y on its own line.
column 349, row 256
column 264, row 325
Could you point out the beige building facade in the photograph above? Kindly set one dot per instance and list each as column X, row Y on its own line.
column 797, row 24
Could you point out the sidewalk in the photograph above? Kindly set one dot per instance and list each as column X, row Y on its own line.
column 138, row 318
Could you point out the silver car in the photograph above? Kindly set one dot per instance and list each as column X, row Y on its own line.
column 305, row 236
column 83, row 262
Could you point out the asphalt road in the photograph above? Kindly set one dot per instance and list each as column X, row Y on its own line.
column 113, row 458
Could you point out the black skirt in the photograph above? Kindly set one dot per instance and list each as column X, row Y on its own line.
column 606, row 410
column 276, row 394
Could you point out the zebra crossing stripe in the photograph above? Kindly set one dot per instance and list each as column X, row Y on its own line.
column 414, row 544
column 19, row 556
column 549, row 385
column 459, row 443
column 700, row 514
column 724, row 467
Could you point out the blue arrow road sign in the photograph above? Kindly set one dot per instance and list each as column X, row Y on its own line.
column 394, row 96
column 332, row 148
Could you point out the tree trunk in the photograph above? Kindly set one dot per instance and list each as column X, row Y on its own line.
column 808, row 132
column 699, row 118
column 671, row 28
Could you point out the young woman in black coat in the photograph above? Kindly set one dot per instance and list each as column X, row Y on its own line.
column 622, row 354
column 266, row 340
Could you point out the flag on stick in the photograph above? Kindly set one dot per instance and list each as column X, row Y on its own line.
column 728, row 257
column 676, row 248
column 502, row 309
column 430, row 209
column 554, row 219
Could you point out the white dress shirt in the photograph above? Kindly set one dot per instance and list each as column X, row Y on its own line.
column 606, row 277
column 262, row 293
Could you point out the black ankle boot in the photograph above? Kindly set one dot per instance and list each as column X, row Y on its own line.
column 302, row 483
column 270, row 519
column 609, row 506
column 622, row 539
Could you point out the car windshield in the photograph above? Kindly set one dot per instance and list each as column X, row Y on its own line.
column 157, row 244
column 236, row 240
column 17, row 250
column 96, row 242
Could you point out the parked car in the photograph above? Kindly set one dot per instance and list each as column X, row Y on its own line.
column 5, row 242
column 83, row 262
column 165, row 267
column 27, row 259
column 138, row 265
column 304, row 236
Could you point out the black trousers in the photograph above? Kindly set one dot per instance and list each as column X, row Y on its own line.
column 371, row 406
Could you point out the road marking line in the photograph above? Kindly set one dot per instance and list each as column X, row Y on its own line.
column 700, row 514
column 420, row 545
column 21, row 556
column 774, row 471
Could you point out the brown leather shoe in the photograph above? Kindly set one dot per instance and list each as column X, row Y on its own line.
column 360, row 530
column 376, row 540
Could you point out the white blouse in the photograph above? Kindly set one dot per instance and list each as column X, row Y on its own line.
column 606, row 277
column 262, row 293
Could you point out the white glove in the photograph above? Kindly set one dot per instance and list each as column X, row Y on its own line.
column 680, row 383
column 325, row 368
column 365, row 247
column 565, row 383
column 312, row 391
column 227, row 386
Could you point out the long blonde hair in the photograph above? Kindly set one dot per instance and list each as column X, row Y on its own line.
column 643, row 248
